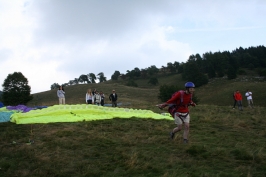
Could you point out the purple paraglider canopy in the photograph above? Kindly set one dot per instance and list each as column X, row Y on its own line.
column 22, row 108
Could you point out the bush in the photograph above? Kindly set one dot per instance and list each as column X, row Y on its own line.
column 153, row 81
column 131, row 83
column 241, row 72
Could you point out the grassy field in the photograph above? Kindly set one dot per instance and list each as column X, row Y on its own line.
column 223, row 142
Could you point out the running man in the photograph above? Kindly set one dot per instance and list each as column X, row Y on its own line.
column 178, row 107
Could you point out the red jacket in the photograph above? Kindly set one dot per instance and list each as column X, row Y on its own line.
column 238, row 96
column 183, row 108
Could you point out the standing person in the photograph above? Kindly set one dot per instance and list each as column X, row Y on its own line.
column 178, row 107
column 113, row 98
column 102, row 98
column 89, row 97
column 249, row 98
column 238, row 98
column 94, row 91
column 97, row 98
column 61, row 95
column 234, row 100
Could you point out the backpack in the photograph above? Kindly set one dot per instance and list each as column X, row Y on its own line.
column 173, row 107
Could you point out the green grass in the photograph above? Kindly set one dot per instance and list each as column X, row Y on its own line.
column 223, row 142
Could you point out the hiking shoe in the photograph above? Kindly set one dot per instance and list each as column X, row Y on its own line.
column 172, row 135
column 185, row 141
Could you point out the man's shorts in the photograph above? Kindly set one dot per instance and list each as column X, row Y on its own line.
column 181, row 118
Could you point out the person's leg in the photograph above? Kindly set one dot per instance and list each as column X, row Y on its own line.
column 241, row 106
column 186, row 131
column 60, row 100
column 63, row 101
column 251, row 103
column 238, row 104
column 115, row 104
column 235, row 104
column 248, row 103
column 186, row 128
column 178, row 127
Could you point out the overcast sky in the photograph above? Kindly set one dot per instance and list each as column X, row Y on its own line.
column 54, row 41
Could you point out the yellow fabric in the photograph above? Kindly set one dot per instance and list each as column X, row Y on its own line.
column 82, row 112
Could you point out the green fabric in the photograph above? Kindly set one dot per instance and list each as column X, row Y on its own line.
column 82, row 112
column 3, row 109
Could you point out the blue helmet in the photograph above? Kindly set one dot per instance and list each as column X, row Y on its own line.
column 189, row 85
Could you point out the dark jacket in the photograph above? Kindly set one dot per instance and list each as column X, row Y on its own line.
column 113, row 97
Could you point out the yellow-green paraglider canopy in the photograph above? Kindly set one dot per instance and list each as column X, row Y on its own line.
column 82, row 112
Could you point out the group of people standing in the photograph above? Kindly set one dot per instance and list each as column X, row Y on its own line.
column 96, row 97
column 92, row 97
column 238, row 99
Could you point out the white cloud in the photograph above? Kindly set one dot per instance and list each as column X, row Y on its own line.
column 55, row 41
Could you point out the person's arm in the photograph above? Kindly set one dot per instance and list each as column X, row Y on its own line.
column 235, row 96
column 192, row 103
column 170, row 101
column 86, row 97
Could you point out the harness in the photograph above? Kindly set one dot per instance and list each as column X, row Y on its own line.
column 182, row 117
column 172, row 109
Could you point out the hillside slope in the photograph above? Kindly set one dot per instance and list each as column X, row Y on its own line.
column 217, row 92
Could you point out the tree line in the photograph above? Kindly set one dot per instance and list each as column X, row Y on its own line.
column 200, row 68
column 83, row 78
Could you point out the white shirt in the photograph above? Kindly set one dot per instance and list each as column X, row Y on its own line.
column 89, row 97
column 98, row 98
column 249, row 95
